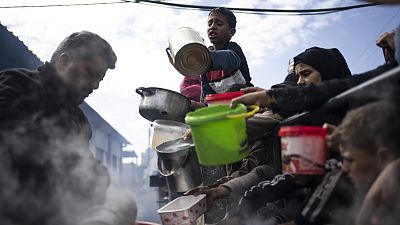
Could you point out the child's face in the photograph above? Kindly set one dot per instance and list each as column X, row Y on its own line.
column 218, row 29
column 361, row 167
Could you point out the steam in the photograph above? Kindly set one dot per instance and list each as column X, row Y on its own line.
column 48, row 175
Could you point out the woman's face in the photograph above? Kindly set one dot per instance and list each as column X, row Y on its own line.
column 307, row 74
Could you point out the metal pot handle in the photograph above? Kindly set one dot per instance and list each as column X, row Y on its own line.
column 139, row 90
column 160, row 169
column 171, row 60
column 180, row 166
column 145, row 91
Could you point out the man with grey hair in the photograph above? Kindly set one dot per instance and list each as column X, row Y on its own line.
column 47, row 172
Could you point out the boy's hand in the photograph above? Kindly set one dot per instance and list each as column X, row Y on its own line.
column 259, row 98
column 196, row 105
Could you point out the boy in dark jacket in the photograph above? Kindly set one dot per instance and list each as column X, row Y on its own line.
column 229, row 66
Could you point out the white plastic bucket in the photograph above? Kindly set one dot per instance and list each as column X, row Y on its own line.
column 303, row 149
column 166, row 130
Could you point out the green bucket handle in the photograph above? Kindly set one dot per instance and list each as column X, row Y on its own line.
column 255, row 108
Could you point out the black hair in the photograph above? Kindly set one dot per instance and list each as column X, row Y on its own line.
column 226, row 12
column 86, row 45
column 370, row 127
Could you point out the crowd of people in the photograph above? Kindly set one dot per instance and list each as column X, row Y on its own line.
column 360, row 173
column 49, row 176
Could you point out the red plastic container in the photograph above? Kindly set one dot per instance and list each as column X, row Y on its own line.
column 303, row 149
column 222, row 99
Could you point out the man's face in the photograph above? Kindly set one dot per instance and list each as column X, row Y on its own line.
column 361, row 167
column 84, row 76
column 218, row 29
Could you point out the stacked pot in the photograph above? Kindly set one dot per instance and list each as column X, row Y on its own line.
column 177, row 159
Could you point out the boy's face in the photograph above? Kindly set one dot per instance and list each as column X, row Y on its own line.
column 218, row 29
column 361, row 167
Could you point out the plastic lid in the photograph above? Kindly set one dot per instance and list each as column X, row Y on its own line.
column 224, row 96
column 302, row 130
column 213, row 113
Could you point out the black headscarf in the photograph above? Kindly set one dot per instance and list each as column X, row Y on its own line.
column 330, row 63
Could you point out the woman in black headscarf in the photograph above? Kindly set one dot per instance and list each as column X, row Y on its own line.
column 315, row 65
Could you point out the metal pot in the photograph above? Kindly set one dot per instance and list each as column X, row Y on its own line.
column 188, row 52
column 177, row 161
column 159, row 103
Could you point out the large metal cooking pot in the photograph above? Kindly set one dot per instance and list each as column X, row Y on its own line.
column 188, row 52
column 177, row 161
column 159, row 103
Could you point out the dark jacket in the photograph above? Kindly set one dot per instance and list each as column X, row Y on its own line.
column 229, row 71
column 48, row 175
column 291, row 100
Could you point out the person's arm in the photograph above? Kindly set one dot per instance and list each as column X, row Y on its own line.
column 240, row 184
column 268, row 191
column 292, row 100
column 224, row 59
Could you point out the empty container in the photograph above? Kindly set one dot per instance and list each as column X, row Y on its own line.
column 183, row 210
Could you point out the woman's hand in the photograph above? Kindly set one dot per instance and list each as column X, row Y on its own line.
column 259, row 98
column 252, row 89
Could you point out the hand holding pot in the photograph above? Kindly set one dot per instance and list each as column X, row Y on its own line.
column 187, row 135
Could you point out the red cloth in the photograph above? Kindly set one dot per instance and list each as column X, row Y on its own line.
column 191, row 88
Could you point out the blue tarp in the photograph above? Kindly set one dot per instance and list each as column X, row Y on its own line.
column 14, row 53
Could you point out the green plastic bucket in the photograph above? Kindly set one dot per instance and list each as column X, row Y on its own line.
column 219, row 133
